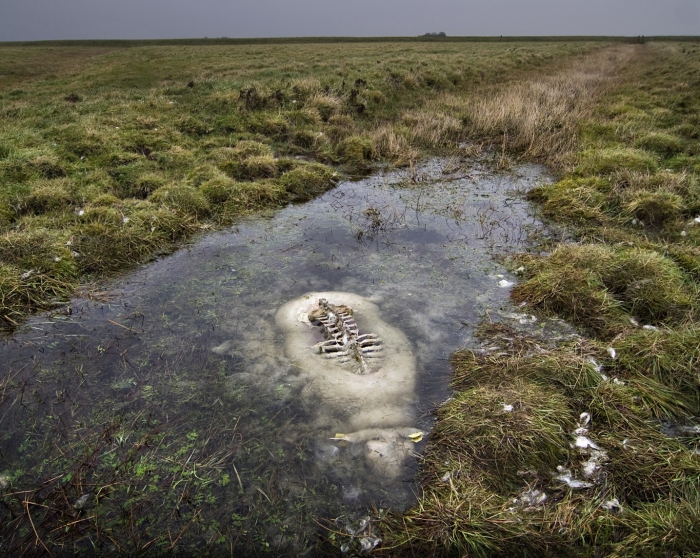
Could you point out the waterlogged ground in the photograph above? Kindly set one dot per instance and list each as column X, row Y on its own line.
column 161, row 412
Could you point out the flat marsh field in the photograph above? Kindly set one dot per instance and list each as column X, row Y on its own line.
column 114, row 154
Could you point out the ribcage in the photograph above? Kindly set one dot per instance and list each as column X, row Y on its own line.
column 343, row 340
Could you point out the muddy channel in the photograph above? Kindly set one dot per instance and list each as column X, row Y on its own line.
column 189, row 404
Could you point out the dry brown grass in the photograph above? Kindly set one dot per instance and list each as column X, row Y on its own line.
column 390, row 143
column 536, row 117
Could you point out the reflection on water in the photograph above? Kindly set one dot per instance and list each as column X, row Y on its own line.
column 168, row 404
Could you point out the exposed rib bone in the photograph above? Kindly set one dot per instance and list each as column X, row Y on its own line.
column 343, row 339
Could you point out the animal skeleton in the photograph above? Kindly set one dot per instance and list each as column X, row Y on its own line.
column 355, row 384
column 343, row 338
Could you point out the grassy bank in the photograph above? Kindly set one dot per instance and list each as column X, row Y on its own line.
column 587, row 447
column 110, row 155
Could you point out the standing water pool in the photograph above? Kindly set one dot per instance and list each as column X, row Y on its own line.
column 260, row 390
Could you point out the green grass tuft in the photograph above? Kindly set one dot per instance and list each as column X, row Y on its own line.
column 218, row 190
column 307, row 181
column 356, row 152
column 655, row 208
column 578, row 201
column 250, row 168
column 38, row 250
column 595, row 285
column 182, row 198
column 48, row 196
column 605, row 162
column 22, row 291
column 670, row 356
column 663, row 144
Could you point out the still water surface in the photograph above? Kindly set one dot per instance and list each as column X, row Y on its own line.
column 167, row 401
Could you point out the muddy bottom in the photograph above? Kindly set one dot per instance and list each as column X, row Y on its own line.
column 166, row 412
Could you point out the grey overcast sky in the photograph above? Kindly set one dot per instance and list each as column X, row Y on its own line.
column 156, row 19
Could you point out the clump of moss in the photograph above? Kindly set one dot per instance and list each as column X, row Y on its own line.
column 118, row 158
column 678, row 183
column 306, row 139
column 684, row 163
column 273, row 126
column 532, row 436
column 194, row 127
column 183, row 198
column 374, row 96
column 135, row 179
column 249, row 148
column 307, row 180
column 687, row 258
column 305, row 87
column 47, row 166
column 79, row 141
column 650, row 285
column 251, row 195
column 201, row 173
column 307, row 118
column 176, row 158
column 26, row 164
column 607, row 161
column 599, row 133
column 339, row 127
column 146, row 184
column 561, row 289
column 162, row 225
column 285, row 164
column 248, row 160
column 105, row 247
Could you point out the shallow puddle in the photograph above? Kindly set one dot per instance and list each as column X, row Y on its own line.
column 173, row 411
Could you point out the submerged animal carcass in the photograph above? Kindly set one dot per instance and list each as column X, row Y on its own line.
column 358, row 374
